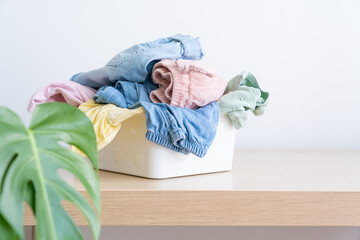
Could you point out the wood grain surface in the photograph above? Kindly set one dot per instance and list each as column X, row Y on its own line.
column 265, row 188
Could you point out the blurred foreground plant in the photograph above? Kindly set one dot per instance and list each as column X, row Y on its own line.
column 29, row 163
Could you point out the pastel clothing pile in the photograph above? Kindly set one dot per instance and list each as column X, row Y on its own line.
column 181, row 98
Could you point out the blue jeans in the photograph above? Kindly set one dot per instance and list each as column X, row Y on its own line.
column 135, row 64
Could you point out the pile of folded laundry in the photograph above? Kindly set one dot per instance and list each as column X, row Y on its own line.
column 181, row 98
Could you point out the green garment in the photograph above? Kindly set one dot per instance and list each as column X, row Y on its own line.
column 243, row 95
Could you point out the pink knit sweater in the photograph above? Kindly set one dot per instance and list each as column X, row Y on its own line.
column 185, row 83
column 61, row 91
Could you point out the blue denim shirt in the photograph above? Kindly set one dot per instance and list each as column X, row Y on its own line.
column 125, row 94
column 180, row 129
column 135, row 64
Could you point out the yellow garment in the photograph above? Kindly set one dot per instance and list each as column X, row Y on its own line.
column 107, row 119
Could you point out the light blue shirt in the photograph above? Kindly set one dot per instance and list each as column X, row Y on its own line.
column 135, row 64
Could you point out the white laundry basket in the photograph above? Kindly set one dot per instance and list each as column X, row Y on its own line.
column 131, row 153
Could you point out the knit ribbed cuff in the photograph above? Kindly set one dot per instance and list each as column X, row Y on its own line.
column 180, row 90
column 186, row 145
column 163, row 141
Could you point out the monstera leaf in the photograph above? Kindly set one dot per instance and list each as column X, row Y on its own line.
column 6, row 232
column 29, row 163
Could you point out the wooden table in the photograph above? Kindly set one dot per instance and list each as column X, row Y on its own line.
column 265, row 188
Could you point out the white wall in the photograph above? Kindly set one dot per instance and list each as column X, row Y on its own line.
column 305, row 53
